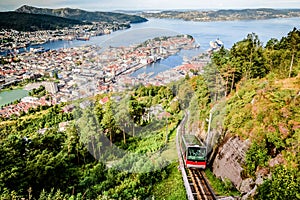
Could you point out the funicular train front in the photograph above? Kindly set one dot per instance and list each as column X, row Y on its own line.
column 194, row 152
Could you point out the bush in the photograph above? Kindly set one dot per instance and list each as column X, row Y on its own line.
column 285, row 184
column 257, row 155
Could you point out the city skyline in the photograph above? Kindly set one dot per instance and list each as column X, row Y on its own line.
column 104, row 5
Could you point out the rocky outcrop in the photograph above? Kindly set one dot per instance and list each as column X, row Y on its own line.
column 229, row 161
column 228, row 165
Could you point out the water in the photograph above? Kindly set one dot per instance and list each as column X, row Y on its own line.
column 228, row 31
column 168, row 63
column 160, row 66
column 12, row 95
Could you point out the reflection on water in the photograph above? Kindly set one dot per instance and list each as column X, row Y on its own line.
column 168, row 63
column 12, row 95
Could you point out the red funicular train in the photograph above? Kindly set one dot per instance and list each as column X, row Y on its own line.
column 193, row 151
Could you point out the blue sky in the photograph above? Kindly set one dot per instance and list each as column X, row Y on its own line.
column 92, row 5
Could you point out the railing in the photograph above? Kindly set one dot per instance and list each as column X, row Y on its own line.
column 181, row 163
column 195, row 183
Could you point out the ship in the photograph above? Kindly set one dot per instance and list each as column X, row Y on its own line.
column 84, row 38
column 39, row 49
column 215, row 45
column 219, row 43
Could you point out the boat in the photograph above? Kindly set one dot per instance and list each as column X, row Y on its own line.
column 39, row 49
column 219, row 43
column 212, row 45
column 84, row 38
column 215, row 45
column 197, row 45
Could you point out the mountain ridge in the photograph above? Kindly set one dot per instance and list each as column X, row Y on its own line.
column 82, row 15
column 34, row 22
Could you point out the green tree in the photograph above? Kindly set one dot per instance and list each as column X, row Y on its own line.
column 282, row 56
column 136, row 110
column 215, row 82
column 90, row 133
column 247, row 58
column 123, row 119
column 108, row 121
column 294, row 46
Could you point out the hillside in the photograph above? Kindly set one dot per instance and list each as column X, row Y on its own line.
column 255, row 88
column 261, row 86
column 34, row 22
column 65, row 164
column 263, row 114
column 83, row 15
column 225, row 15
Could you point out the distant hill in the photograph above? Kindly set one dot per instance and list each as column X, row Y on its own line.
column 225, row 15
column 32, row 22
column 83, row 15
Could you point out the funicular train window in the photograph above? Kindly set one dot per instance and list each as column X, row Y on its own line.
column 196, row 154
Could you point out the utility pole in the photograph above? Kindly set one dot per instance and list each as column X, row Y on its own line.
column 166, row 130
column 208, row 137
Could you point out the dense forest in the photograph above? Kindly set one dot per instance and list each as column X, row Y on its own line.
column 41, row 161
column 83, row 15
column 27, row 18
column 34, row 22
column 119, row 146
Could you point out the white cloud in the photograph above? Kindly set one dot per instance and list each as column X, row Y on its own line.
column 183, row 4
column 150, row 4
column 14, row 4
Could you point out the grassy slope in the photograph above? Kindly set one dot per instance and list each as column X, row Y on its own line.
column 267, row 111
column 267, row 106
column 220, row 188
column 171, row 187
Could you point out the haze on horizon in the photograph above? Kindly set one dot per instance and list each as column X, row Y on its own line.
column 106, row 5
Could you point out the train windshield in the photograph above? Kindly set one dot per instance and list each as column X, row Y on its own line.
column 196, row 154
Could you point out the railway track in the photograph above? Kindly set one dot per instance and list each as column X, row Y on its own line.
column 199, row 185
column 196, row 185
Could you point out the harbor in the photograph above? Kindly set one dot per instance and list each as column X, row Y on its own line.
column 111, row 63
column 90, row 70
